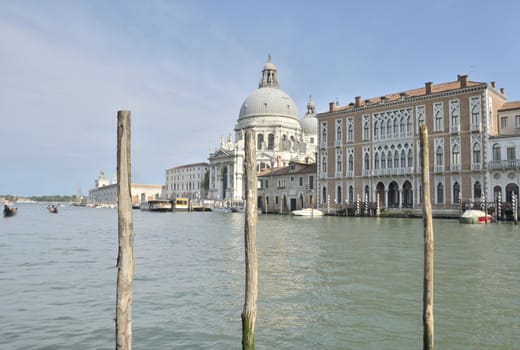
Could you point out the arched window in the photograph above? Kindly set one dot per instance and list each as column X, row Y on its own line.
column 270, row 142
column 396, row 128
column 383, row 124
column 339, row 164
column 403, row 159
column 410, row 158
column 323, row 134
column 259, row 141
column 350, row 163
column 409, row 125
column 383, row 160
column 350, row 133
column 324, row 195
column 376, row 130
column 456, row 193
column 338, row 195
column 440, row 193
column 455, row 157
column 389, row 129
column 389, row 160
column 376, row 160
column 477, row 190
column 439, row 156
column 365, row 130
column 496, row 152
column 338, row 134
column 367, row 161
column 402, row 129
column 420, row 121
column 351, row 194
column 324, row 164
column 476, row 153
column 396, row 159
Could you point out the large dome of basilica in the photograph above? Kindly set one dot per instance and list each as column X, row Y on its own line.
column 268, row 105
column 268, row 101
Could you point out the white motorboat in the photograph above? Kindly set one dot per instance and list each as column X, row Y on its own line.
column 472, row 216
column 307, row 212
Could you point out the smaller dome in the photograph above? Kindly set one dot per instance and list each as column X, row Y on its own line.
column 309, row 124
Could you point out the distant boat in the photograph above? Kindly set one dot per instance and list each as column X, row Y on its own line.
column 182, row 204
column 159, row 205
column 307, row 212
column 9, row 210
column 472, row 216
column 53, row 208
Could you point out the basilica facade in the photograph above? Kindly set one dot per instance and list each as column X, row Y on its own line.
column 281, row 137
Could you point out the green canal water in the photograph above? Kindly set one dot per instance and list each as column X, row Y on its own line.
column 324, row 283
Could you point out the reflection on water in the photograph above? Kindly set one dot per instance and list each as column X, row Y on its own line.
column 324, row 283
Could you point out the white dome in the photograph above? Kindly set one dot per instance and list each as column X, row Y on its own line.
column 309, row 125
column 268, row 101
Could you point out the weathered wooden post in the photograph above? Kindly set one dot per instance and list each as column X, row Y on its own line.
column 125, row 257
column 251, row 290
column 428, row 244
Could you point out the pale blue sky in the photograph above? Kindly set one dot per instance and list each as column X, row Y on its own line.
column 184, row 68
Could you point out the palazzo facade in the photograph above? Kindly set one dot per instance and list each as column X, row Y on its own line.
column 369, row 149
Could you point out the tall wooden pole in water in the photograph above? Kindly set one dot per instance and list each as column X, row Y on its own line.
column 125, row 257
column 428, row 244
column 251, row 290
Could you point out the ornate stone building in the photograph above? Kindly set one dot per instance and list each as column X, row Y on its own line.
column 281, row 137
column 369, row 148
column 186, row 181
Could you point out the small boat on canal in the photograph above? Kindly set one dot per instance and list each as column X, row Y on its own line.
column 9, row 210
column 472, row 216
column 53, row 208
column 158, row 205
column 307, row 212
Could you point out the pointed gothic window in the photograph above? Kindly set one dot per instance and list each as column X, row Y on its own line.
column 270, row 142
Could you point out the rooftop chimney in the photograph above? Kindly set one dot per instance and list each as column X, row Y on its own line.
column 502, row 91
column 458, row 77
column 463, row 81
column 331, row 106
column 383, row 99
column 428, row 87
column 358, row 98
column 402, row 95
column 493, row 85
